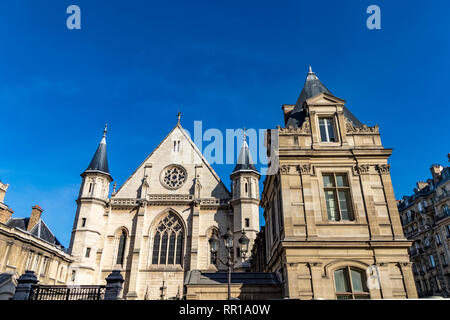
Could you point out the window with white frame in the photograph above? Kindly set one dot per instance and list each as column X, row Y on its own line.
column 327, row 130
column 337, row 196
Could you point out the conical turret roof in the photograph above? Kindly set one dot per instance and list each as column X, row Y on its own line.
column 245, row 162
column 99, row 162
column 312, row 87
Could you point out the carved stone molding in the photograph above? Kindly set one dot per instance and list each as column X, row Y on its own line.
column 315, row 264
column 383, row 168
column 304, row 168
column 363, row 129
column 285, row 169
column 362, row 168
column 304, row 129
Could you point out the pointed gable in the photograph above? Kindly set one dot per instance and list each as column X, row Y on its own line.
column 178, row 149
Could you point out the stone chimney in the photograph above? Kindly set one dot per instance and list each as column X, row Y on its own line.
column 421, row 185
column 36, row 212
column 5, row 211
column 3, row 188
column 436, row 172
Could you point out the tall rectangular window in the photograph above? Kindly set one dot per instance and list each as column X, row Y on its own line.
column 88, row 252
column 83, row 222
column 443, row 259
column 29, row 260
column 327, row 132
column 247, row 222
column 438, row 239
column 432, row 263
column 44, row 266
column 337, row 196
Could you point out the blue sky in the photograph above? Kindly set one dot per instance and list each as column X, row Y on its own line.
column 135, row 64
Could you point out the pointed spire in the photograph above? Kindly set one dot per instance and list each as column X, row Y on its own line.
column 310, row 70
column 105, row 131
column 99, row 162
column 178, row 117
column 245, row 162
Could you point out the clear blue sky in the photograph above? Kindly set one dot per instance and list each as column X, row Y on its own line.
column 134, row 64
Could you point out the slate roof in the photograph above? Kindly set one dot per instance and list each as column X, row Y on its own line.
column 245, row 162
column 99, row 162
column 196, row 277
column 426, row 191
column 312, row 87
column 40, row 230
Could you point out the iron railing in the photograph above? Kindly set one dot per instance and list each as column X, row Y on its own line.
column 45, row 292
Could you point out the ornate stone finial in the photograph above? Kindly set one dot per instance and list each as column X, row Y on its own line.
column 114, row 186
column 178, row 117
column 310, row 70
column 244, row 137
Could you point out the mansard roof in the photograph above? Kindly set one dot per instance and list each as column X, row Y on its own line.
column 99, row 162
column 312, row 87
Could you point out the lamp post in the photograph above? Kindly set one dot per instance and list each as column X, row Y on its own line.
column 229, row 245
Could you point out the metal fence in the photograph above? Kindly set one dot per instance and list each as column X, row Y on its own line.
column 44, row 292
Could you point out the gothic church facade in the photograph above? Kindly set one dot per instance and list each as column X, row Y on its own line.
column 156, row 226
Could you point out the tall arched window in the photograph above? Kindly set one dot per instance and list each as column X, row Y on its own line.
column 121, row 247
column 350, row 283
column 168, row 241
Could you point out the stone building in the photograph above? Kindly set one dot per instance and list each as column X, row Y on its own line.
column 332, row 223
column 155, row 228
column 28, row 244
column 425, row 217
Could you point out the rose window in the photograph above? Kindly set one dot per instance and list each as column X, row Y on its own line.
column 173, row 177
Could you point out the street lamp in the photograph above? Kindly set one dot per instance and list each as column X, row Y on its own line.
column 228, row 241
column 243, row 242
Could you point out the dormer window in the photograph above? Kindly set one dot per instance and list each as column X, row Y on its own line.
column 327, row 131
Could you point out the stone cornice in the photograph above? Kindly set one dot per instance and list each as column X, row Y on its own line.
column 169, row 199
column 31, row 241
column 347, row 244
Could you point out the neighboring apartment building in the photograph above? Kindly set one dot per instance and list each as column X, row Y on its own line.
column 331, row 217
column 28, row 244
column 426, row 221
